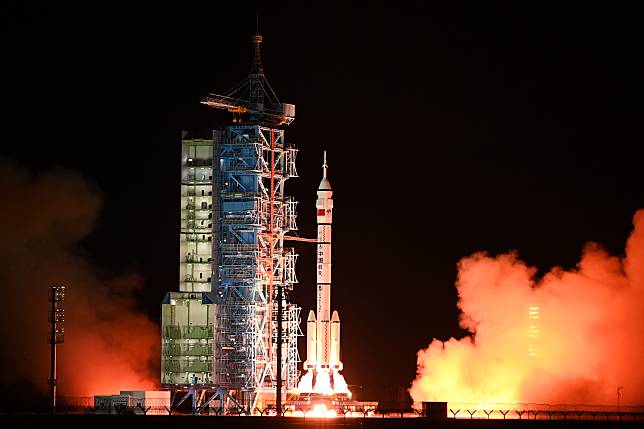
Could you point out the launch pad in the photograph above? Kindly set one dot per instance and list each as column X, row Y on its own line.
column 230, row 332
column 229, row 335
column 329, row 406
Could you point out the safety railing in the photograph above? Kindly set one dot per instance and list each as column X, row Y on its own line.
column 188, row 332
column 182, row 365
column 187, row 349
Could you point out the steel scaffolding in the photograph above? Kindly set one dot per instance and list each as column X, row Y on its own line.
column 220, row 332
column 254, row 164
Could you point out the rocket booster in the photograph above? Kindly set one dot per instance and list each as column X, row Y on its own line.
column 323, row 332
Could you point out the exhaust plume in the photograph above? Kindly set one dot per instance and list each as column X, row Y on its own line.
column 569, row 337
column 108, row 344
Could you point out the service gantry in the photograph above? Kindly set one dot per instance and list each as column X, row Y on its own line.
column 220, row 344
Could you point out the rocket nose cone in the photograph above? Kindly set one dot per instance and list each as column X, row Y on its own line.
column 335, row 317
column 325, row 185
column 311, row 316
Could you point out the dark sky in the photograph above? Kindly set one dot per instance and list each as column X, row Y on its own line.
column 449, row 130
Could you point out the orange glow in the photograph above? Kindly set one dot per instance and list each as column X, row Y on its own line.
column 568, row 337
column 109, row 345
column 100, row 356
column 320, row 410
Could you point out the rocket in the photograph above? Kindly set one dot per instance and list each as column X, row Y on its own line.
column 323, row 331
column 322, row 366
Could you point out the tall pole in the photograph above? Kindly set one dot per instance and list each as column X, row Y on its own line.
column 278, row 387
column 56, row 336
column 52, row 343
column 278, row 402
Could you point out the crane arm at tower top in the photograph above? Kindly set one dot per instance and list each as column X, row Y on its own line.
column 225, row 103
column 282, row 113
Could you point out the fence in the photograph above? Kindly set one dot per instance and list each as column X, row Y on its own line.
column 533, row 411
column 496, row 411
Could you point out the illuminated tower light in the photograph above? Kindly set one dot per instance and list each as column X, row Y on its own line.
column 533, row 331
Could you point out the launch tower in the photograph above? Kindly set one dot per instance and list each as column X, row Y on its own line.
column 220, row 340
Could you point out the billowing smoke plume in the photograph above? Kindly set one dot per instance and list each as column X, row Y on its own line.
column 108, row 345
column 569, row 337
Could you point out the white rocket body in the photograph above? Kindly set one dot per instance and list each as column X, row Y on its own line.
column 311, row 342
column 323, row 332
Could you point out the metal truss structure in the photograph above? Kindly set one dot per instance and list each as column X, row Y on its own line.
column 220, row 336
column 251, row 218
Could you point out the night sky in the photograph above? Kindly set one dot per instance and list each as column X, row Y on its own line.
column 449, row 130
